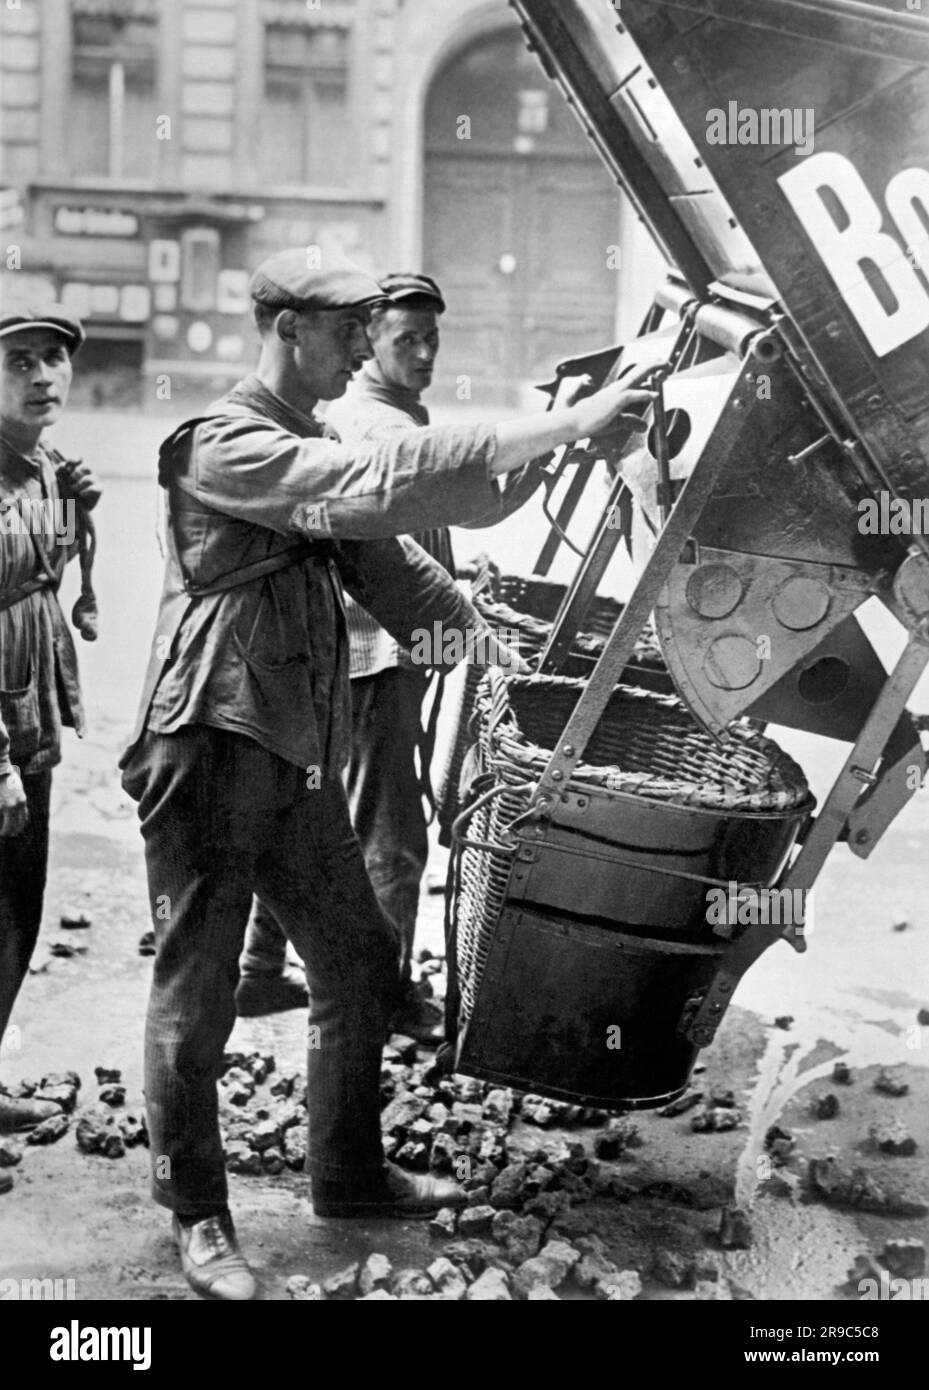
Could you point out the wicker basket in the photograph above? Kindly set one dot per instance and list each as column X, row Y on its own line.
column 646, row 745
column 528, row 607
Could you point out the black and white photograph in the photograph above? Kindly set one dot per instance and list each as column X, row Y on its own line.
column 464, row 630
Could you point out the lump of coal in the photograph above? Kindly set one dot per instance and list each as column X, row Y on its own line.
column 842, row 1074
column 549, row 1268
column 10, row 1152
column 442, row 1225
column 476, row 1221
column 715, row 1119
column 904, row 1258
column 825, row 1107
column 680, row 1106
column 295, row 1148
column 344, row 1284
column 413, row 1156
column 448, row 1280
column 401, row 1113
column 536, row 1110
column 498, row 1107
column 672, row 1269
column 300, row 1288
column 490, row 1287
column 49, row 1131
column 147, row 943
column 108, row 1076
column 890, row 1085
column 735, row 1231
column 133, row 1129
column 891, row 1137
column 112, row 1095
column 260, row 1066
column 72, row 919
column 410, row 1284
column 830, row 1182
column 98, row 1133
column 242, row 1159
column 784, row 1021
column 780, row 1144
column 618, row 1136
column 375, row 1273
column 520, row 1236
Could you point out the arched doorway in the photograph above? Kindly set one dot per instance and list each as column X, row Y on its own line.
column 519, row 221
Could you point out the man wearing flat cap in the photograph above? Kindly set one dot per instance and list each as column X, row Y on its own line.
column 39, row 689
column 385, row 790
column 245, row 727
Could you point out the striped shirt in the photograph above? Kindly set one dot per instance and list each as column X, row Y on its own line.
column 369, row 412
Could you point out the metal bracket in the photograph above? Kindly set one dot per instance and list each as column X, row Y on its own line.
column 823, row 834
column 684, row 516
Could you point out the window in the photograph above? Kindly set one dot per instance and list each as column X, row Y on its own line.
column 113, row 96
column 200, row 252
column 305, row 134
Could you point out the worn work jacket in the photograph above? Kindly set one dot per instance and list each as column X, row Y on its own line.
column 39, row 686
column 268, row 658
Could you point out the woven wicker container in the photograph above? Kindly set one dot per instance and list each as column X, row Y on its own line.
column 528, row 607
column 597, row 917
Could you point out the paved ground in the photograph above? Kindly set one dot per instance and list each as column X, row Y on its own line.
column 855, row 995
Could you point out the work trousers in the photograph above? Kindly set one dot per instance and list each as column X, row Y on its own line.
column 385, row 800
column 23, row 871
column 223, row 819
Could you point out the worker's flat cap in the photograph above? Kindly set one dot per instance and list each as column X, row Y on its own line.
column 41, row 313
column 284, row 281
column 404, row 284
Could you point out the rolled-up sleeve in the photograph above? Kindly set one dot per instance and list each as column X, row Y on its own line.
column 257, row 472
column 409, row 593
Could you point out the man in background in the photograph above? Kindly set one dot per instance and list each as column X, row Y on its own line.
column 39, row 689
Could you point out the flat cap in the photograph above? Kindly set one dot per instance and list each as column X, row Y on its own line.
column 404, row 284
column 41, row 313
column 284, row 281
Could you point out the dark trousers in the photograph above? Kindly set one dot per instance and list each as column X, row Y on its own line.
column 23, row 871
column 223, row 819
column 386, row 808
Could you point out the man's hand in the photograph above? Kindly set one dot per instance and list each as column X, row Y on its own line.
column 14, row 813
column 598, row 412
column 81, row 483
column 486, row 649
column 528, row 436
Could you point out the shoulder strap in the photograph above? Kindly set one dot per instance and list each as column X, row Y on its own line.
column 283, row 559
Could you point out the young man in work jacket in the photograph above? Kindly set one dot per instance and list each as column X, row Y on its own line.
column 385, row 793
column 245, row 728
column 39, row 688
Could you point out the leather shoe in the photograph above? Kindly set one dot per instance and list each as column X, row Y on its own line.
column 397, row 1194
column 258, row 995
column 22, row 1113
column 212, row 1262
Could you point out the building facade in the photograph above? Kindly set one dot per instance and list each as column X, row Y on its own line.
column 153, row 151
